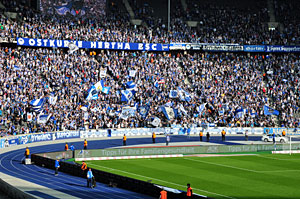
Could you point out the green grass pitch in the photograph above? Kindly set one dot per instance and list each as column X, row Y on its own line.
column 256, row 176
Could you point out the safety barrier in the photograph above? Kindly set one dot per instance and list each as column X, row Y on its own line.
column 123, row 182
column 174, row 130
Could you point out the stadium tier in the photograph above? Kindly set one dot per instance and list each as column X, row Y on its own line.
column 102, row 68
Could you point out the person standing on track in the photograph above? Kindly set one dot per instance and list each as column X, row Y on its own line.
column 89, row 178
column 124, row 140
column 66, row 147
column 207, row 136
column 163, row 194
column 167, row 139
column 201, row 136
column 246, row 135
column 56, row 166
column 27, row 152
column 223, row 135
column 83, row 167
column 85, row 144
column 189, row 192
column 153, row 137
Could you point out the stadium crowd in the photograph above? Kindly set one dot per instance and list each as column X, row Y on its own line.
column 226, row 89
column 224, row 83
column 218, row 23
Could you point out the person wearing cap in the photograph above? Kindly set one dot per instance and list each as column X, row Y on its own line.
column 124, row 140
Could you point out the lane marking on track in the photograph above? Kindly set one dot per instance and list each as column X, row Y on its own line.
column 161, row 180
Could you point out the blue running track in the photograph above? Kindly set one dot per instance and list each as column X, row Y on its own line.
column 10, row 164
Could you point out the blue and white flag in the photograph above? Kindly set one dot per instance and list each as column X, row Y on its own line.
column 64, row 9
column 182, row 110
column 201, row 108
column 126, row 95
column 132, row 73
column 52, row 99
column 93, row 94
column 105, row 89
column 183, row 95
column 17, row 67
column 173, row 94
column 127, row 112
column 270, row 111
column 101, row 87
column 143, row 111
column 169, row 112
column 72, row 47
column 239, row 112
column 131, row 86
column 42, row 119
column 155, row 121
column 38, row 104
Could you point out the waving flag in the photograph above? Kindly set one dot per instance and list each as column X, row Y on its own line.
column 126, row 95
column 38, row 104
column 72, row 47
column 183, row 95
column 93, row 94
column 270, row 111
column 64, row 9
column 100, row 87
column 131, row 86
column 143, row 111
column 173, row 94
column 201, row 108
column 155, row 121
column 169, row 112
column 52, row 99
column 127, row 112
column 182, row 110
column 42, row 119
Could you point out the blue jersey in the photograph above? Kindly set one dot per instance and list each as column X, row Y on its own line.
column 72, row 148
column 56, row 163
column 89, row 174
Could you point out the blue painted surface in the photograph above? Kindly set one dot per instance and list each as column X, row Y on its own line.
column 10, row 164
column 41, row 195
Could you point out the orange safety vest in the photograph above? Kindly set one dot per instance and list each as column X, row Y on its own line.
column 189, row 191
column 223, row 132
column 66, row 147
column 27, row 152
column 163, row 194
column 283, row 133
column 153, row 135
column 85, row 143
column 201, row 133
column 83, row 166
column 124, row 138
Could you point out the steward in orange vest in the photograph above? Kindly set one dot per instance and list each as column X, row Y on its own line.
column 124, row 140
column 153, row 137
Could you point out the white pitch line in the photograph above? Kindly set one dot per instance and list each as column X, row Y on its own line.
column 223, row 165
column 261, row 156
column 278, row 171
column 162, row 181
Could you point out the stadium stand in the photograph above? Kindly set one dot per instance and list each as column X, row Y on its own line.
column 225, row 83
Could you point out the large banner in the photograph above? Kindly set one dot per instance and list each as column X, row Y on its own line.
column 67, row 135
column 286, row 49
column 91, row 44
column 41, row 137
